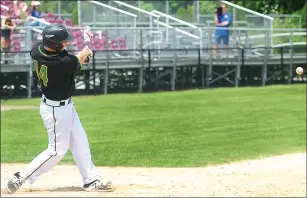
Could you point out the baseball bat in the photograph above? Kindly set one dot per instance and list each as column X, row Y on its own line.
column 87, row 34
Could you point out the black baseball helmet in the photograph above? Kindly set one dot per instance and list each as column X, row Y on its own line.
column 54, row 35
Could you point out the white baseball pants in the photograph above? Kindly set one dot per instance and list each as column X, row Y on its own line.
column 65, row 131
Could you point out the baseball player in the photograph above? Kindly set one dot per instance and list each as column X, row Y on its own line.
column 55, row 69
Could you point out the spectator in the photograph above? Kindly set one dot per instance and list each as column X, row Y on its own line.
column 7, row 25
column 20, row 9
column 223, row 20
column 35, row 12
column 35, row 9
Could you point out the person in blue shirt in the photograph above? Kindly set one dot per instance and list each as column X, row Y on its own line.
column 35, row 12
column 222, row 21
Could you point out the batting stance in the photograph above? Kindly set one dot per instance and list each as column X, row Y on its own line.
column 55, row 69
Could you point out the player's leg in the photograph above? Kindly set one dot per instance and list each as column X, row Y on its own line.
column 80, row 149
column 217, row 40
column 5, row 45
column 225, row 40
column 58, row 121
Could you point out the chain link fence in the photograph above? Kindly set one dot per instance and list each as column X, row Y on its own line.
column 287, row 21
column 101, row 14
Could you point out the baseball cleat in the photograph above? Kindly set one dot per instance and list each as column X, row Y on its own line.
column 15, row 183
column 97, row 185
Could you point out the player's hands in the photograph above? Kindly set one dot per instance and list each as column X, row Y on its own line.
column 84, row 54
column 90, row 52
column 87, row 60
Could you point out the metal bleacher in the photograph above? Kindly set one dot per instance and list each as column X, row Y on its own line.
column 126, row 37
column 162, row 31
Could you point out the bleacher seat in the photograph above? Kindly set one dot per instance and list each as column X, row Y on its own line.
column 16, row 45
column 50, row 17
column 96, row 36
column 68, row 22
column 122, row 43
column 80, row 46
column 114, row 45
column 59, row 20
column 98, row 41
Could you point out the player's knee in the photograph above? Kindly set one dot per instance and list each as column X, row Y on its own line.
column 61, row 152
column 57, row 152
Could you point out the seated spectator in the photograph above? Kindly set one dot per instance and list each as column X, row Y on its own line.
column 6, row 26
column 35, row 12
column 20, row 9
column 35, row 9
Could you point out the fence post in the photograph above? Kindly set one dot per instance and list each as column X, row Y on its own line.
column 79, row 12
column 141, row 77
column 290, row 67
column 238, row 67
column 28, row 60
column 149, row 65
column 271, row 38
column 106, row 73
column 200, row 40
column 281, row 57
column 242, row 54
column 167, row 19
column 264, row 68
column 30, row 76
column 174, row 60
column 134, row 37
column 59, row 9
column 209, row 70
column 202, row 69
column 149, row 58
column 94, row 72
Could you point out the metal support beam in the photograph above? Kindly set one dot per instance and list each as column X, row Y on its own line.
column 114, row 9
column 223, row 76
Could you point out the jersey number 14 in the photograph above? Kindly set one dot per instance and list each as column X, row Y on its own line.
column 42, row 74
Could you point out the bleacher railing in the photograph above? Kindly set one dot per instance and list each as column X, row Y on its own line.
column 280, row 37
column 105, row 63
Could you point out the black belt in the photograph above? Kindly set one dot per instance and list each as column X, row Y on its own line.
column 61, row 103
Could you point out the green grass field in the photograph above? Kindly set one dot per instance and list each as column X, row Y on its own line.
column 172, row 129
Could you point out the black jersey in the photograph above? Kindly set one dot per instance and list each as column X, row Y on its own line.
column 55, row 72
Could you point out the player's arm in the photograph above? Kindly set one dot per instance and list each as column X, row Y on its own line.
column 216, row 20
column 5, row 25
column 224, row 23
column 227, row 22
column 13, row 25
column 75, row 62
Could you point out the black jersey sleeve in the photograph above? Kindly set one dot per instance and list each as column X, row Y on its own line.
column 35, row 49
column 70, row 63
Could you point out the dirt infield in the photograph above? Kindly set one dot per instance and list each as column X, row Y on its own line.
column 275, row 176
column 11, row 107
